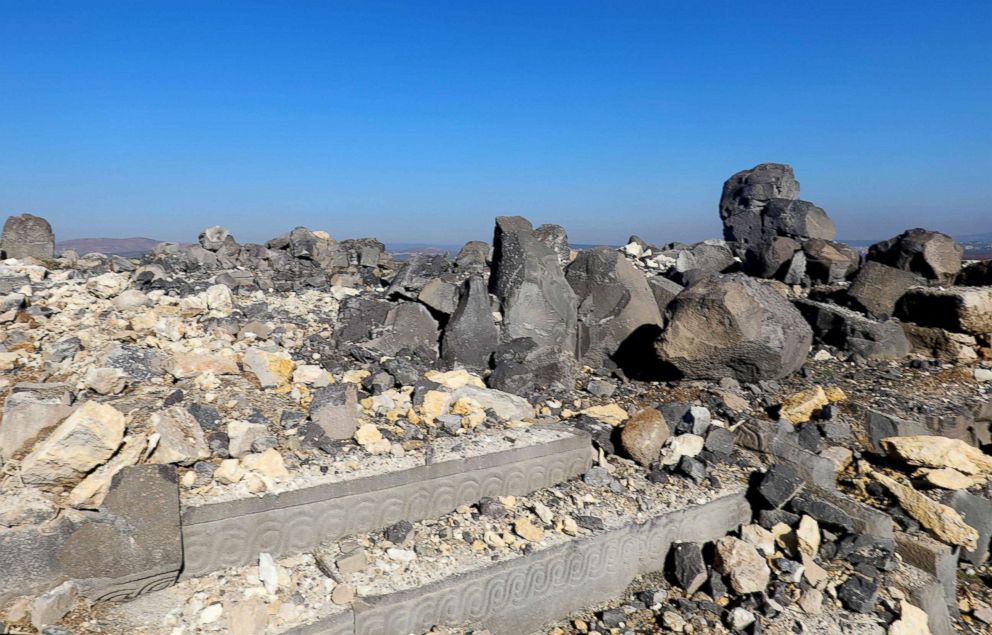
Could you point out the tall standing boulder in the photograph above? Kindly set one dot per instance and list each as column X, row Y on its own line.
column 734, row 326
column 27, row 236
column 555, row 238
column 527, row 279
column 471, row 336
column 615, row 305
column 933, row 255
column 747, row 193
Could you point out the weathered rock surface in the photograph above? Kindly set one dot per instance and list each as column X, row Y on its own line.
column 470, row 338
column 644, row 435
column 933, row 255
column 87, row 438
column 829, row 261
column 536, row 300
column 747, row 193
column 740, row 562
column 961, row 309
column 938, row 452
column 30, row 412
column 617, row 313
column 943, row 521
column 27, row 236
column 732, row 326
column 877, row 289
column 854, row 333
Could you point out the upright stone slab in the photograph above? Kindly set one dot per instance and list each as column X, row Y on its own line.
column 527, row 278
column 27, row 236
column 470, row 337
column 135, row 545
column 617, row 309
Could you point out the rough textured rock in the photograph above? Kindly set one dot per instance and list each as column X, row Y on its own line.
column 961, row 309
column 333, row 408
column 664, row 291
column 977, row 512
column 829, row 261
column 734, row 326
column 741, row 563
column 87, row 438
column 644, row 435
column 797, row 219
column 943, row 521
column 854, row 333
column 29, row 413
column 771, row 258
column 521, row 367
column 536, row 300
column 470, row 338
column 745, row 196
column 555, row 238
column 877, row 288
column 410, row 326
column 933, row 255
column 181, row 438
column 27, row 236
column 688, row 566
column 617, row 315
column 978, row 274
column 938, row 452
column 415, row 274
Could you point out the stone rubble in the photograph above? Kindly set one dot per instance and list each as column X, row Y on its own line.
column 850, row 399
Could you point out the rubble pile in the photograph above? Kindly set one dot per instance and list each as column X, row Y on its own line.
column 839, row 402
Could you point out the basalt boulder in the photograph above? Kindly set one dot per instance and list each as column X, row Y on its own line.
column 933, row 255
column 747, row 193
column 27, row 236
column 471, row 336
column 852, row 332
column 527, row 279
column 615, row 305
column 828, row 261
column 733, row 326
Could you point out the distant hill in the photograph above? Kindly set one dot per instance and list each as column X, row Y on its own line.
column 129, row 247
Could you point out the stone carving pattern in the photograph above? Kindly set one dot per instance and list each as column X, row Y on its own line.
column 602, row 559
column 238, row 541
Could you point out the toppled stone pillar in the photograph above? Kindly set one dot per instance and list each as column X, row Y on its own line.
column 27, row 236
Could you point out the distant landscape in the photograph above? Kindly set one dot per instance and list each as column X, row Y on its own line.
column 977, row 246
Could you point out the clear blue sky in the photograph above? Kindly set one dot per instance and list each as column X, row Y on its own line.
column 421, row 122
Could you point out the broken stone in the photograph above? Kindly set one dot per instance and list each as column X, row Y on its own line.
column 780, row 484
column 943, row 521
column 242, row 435
column 933, row 255
column 30, row 412
column 334, row 409
column 268, row 463
column 49, row 608
column 689, row 567
column 273, row 370
column 741, row 563
column 859, row 593
column 470, row 337
column 86, row 439
column 938, row 452
column 799, row 407
column 181, row 438
column 733, row 326
column 524, row 528
column 644, row 435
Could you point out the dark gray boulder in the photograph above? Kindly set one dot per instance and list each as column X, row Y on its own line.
column 474, row 256
column 933, row 255
column 745, row 196
column 664, row 291
column 408, row 326
column 471, row 336
column 415, row 274
column 828, row 261
column 522, row 367
column 27, row 236
column 536, row 300
column 797, row 219
column 852, row 332
column 772, row 258
column 615, row 305
column 734, row 326
column 700, row 260
column 555, row 238
column 216, row 237
column 978, row 274
column 877, row 288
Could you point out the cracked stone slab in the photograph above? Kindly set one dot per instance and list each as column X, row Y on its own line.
column 233, row 533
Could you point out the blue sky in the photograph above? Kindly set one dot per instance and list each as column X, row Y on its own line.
column 420, row 122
